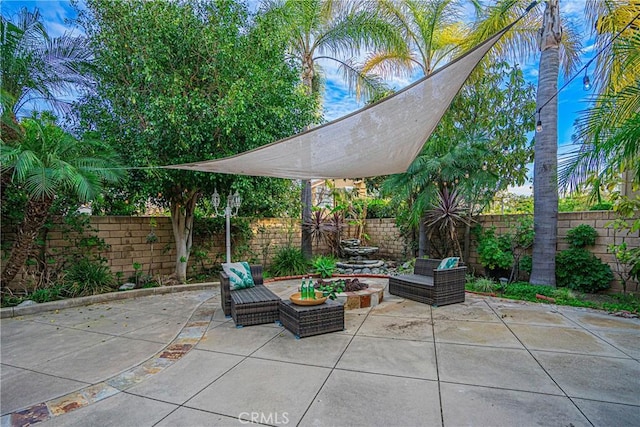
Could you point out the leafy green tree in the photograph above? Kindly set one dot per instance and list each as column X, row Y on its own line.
column 180, row 82
column 333, row 31
column 45, row 163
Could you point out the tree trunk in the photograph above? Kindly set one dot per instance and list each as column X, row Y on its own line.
column 545, row 176
column 36, row 213
column 422, row 237
column 305, row 243
column 467, row 241
column 182, row 224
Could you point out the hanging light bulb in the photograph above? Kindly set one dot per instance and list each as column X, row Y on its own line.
column 586, row 83
column 539, row 123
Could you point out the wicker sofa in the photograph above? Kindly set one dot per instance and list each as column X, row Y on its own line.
column 429, row 285
column 251, row 306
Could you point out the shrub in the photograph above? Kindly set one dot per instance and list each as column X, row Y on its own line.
column 526, row 264
column 582, row 236
column 602, row 206
column 381, row 208
column 579, row 269
column 324, row 266
column 51, row 293
column 88, row 277
column 482, row 284
column 288, row 261
column 494, row 251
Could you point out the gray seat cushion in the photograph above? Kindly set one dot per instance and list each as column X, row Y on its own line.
column 415, row 278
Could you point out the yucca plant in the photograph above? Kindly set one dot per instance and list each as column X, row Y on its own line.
column 447, row 214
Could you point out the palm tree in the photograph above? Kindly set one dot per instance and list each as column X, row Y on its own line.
column 45, row 163
column 36, row 67
column 545, row 178
column 432, row 31
column 608, row 131
column 559, row 44
column 326, row 30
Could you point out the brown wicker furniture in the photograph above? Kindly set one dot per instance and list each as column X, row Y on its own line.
column 307, row 320
column 251, row 306
column 429, row 285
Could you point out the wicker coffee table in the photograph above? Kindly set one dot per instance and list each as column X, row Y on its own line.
column 307, row 320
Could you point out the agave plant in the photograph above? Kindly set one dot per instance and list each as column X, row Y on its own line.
column 448, row 212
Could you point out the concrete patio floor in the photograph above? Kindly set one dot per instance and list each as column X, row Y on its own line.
column 175, row 360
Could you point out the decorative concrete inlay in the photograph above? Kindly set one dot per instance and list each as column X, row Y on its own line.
column 190, row 335
column 365, row 298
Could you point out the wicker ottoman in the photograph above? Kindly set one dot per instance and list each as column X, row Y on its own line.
column 307, row 320
column 254, row 306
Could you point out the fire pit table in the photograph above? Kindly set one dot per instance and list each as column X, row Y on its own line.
column 307, row 320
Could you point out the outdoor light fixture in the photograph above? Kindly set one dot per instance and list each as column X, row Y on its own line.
column 233, row 204
column 539, row 123
column 586, row 83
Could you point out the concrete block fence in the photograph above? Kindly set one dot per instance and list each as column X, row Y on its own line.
column 127, row 238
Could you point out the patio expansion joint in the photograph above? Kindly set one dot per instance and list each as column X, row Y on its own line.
column 244, row 357
column 589, row 331
column 540, row 364
column 435, row 358
column 191, row 333
column 334, row 367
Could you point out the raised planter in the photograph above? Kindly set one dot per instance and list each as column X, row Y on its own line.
column 369, row 297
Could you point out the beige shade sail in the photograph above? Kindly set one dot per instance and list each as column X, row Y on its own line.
column 380, row 139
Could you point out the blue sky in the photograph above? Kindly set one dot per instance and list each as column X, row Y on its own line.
column 338, row 102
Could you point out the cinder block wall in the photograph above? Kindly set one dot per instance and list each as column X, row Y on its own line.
column 384, row 234
column 567, row 220
column 127, row 237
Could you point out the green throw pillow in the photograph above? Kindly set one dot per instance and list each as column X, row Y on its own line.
column 239, row 275
column 451, row 262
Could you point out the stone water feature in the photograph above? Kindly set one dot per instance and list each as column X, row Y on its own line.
column 352, row 248
column 359, row 262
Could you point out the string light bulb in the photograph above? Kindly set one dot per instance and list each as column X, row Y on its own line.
column 539, row 123
column 586, row 82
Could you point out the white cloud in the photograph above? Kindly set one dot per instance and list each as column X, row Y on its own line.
column 573, row 9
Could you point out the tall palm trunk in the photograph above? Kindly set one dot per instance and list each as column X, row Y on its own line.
column 545, row 177
column 306, row 245
column 35, row 215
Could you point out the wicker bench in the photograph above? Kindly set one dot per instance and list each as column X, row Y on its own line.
column 304, row 321
column 429, row 285
column 251, row 306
